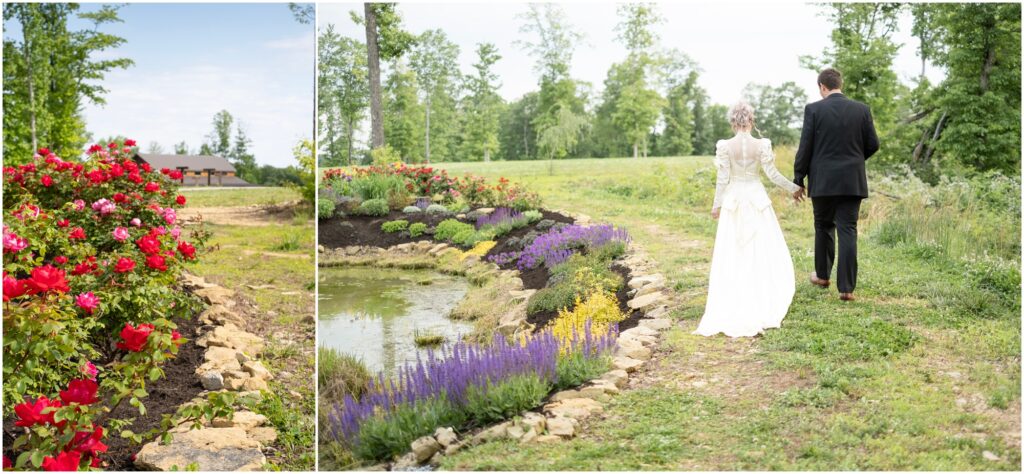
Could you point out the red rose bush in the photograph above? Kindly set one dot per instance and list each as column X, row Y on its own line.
column 92, row 252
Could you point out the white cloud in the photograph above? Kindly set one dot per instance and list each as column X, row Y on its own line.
column 300, row 43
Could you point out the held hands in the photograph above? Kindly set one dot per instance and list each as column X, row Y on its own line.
column 798, row 195
column 715, row 212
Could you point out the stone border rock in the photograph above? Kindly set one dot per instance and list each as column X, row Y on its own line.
column 560, row 418
column 445, row 258
column 230, row 363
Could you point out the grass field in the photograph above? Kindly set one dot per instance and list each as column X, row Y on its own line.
column 272, row 267
column 921, row 373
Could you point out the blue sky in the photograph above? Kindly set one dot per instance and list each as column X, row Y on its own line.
column 734, row 42
column 192, row 60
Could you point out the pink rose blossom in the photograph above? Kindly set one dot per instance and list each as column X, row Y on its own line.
column 136, row 222
column 13, row 243
column 79, row 204
column 104, row 206
column 176, row 232
column 121, row 234
column 89, row 370
column 170, row 215
column 87, row 301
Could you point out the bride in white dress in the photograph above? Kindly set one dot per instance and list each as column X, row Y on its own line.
column 751, row 283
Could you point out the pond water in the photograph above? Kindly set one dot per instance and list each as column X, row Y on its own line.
column 375, row 314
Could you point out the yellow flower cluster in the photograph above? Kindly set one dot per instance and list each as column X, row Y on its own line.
column 480, row 249
column 601, row 308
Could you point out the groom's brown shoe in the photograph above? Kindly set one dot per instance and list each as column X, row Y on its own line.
column 818, row 281
column 846, row 296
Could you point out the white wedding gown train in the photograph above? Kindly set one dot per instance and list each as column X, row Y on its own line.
column 751, row 284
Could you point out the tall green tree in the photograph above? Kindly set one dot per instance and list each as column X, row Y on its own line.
column 343, row 96
column 435, row 60
column 778, row 110
column 385, row 40
column 181, row 148
column 482, row 107
column 50, row 73
column 863, row 49
column 976, row 117
column 517, row 135
column 243, row 159
column 679, row 74
column 403, row 113
column 219, row 139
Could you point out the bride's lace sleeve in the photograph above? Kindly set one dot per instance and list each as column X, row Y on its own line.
column 722, row 165
column 767, row 158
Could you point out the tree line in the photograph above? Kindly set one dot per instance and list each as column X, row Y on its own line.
column 652, row 103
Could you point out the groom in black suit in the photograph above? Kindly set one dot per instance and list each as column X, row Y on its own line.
column 837, row 139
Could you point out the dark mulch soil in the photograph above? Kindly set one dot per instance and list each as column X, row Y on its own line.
column 165, row 396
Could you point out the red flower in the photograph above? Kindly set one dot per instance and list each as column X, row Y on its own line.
column 88, row 301
column 129, row 142
column 44, row 151
column 176, row 337
column 81, row 391
column 148, row 244
column 152, row 187
column 47, row 278
column 95, row 149
column 180, row 200
column 174, row 174
column 84, row 268
column 134, row 337
column 65, row 461
column 60, row 260
column 77, row 233
column 46, row 180
column 13, row 288
column 31, row 413
column 124, row 265
column 7, row 463
column 89, row 442
column 120, row 197
column 156, row 262
column 63, row 223
column 187, row 250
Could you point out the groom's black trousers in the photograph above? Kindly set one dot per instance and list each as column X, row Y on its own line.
column 832, row 213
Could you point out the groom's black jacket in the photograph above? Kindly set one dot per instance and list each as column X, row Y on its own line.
column 838, row 137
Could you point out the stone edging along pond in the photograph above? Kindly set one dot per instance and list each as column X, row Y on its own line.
column 559, row 418
column 230, row 363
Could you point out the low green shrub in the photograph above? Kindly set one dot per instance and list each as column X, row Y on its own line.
column 532, row 216
column 417, row 229
column 411, row 210
column 394, row 226
column 384, row 437
column 324, row 209
column 373, row 207
column 573, row 369
column 447, row 229
column 436, row 209
column 504, row 400
column 577, row 277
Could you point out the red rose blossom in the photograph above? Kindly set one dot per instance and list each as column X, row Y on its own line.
column 156, row 262
column 89, row 442
column 47, row 278
column 152, row 187
column 46, row 180
column 134, row 338
column 124, row 265
column 13, row 288
column 31, row 413
column 80, row 391
column 180, row 200
column 148, row 244
column 63, row 223
column 77, row 233
column 129, row 142
column 187, row 250
column 64, row 462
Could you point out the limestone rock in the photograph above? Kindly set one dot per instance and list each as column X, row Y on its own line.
column 425, row 447
column 547, row 439
column 599, row 390
column 445, row 436
column 263, row 434
column 257, row 370
column 578, row 408
column 565, row 395
column 632, row 349
column 230, row 336
column 626, row 363
column 563, row 427
column 241, row 419
column 515, row 432
column 619, row 378
column 220, row 314
column 217, row 295
column 212, row 380
column 642, row 302
column 254, row 384
column 659, row 324
column 209, row 449
column 533, row 421
column 493, row 433
column 639, row 331
column 641, row 281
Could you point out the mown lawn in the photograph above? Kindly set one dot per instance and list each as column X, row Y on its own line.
column 233, row 197
column 272, row 266
column 921, row 373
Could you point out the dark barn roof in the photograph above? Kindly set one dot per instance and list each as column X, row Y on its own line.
column 192, row 162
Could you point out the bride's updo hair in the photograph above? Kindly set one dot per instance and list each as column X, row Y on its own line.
column 741, row 115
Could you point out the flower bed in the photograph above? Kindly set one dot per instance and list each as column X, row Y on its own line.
column 467, row 386
column 92, row 254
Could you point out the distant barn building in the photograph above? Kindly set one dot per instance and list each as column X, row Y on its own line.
column 196, row 170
